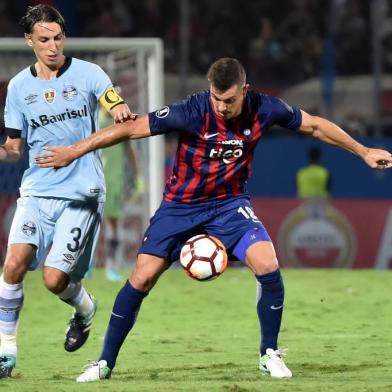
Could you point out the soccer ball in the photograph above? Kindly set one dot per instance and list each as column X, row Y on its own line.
column 203, row 257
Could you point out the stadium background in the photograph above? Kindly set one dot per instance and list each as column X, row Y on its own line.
column 331, row 58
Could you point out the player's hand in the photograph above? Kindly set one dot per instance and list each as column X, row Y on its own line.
column 56, row 156
column 377, row 158
column 122, row 113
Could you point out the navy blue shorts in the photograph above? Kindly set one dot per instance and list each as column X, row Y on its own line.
column 232, row 221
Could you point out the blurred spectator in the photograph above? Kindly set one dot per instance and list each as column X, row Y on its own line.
column 277, row 43
column 265, row 53
column 313, row 180
column 354, row 39
column 116, row 160
column 8, row 21
column 108, row 18
column 301, row 40
column 355, row 126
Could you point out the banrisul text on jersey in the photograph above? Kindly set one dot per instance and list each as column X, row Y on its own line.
column 46, row 119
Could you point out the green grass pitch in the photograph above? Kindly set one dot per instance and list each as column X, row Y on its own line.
column 194, row 336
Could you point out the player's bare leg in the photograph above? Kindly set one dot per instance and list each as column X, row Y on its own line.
column 147, row 271
column 18, row 259
column 126, row 307
column 261, row 259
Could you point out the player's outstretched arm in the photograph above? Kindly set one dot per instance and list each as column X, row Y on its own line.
column 11, row 150
column 60, row 156
column 329, row 132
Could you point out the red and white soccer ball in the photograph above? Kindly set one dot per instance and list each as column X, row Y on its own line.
column 203, row 257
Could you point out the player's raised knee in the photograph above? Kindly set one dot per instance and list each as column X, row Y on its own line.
column 17, row 262
column 13, row 270
column 55, row 280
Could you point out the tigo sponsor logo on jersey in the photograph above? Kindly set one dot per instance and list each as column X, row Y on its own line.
column 44, row 119
column 69, row 93
column 50, row 95
column 228, row 155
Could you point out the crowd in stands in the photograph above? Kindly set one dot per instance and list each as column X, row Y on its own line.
column 278, row 42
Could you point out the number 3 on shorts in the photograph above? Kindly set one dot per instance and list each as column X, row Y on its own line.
column 77, row 233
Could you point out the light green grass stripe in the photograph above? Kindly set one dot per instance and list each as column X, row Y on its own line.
column 194, row 336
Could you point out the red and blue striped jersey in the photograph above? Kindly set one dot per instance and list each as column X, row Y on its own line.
column 214, row 156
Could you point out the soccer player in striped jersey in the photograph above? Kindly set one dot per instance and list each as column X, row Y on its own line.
column 218, row 132
column 56, row 223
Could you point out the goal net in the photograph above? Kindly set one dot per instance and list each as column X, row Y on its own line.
column 135, row 65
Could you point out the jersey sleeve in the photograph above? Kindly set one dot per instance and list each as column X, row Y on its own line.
column 100, row 81
column 283, row 114
column 14, row 120
column 172, row 118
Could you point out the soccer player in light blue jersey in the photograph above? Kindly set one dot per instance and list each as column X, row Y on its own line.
column 57, row 220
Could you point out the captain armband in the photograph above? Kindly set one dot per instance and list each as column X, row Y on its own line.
column 110, row 99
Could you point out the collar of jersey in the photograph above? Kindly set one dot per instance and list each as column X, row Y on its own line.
column 66, row 65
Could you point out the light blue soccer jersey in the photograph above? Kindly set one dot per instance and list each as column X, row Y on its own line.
column 55, row 112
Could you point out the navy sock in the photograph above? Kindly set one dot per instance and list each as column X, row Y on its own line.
column 270, row 298
column 124, row 313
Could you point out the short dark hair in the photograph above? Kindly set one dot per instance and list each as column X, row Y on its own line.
column 41, row 13
column 225, row 73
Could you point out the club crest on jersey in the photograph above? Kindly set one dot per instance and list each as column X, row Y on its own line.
column 31, row 98
column 50, row 95
column 29, row 228
column 246, row 132
column 69, row 93
column 163, row 112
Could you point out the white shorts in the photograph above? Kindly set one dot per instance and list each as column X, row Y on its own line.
column 65, row 231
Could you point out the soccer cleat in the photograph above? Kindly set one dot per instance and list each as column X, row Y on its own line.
column 272, row 363
column 95, row 371
column 7, row 363
column 79, row 329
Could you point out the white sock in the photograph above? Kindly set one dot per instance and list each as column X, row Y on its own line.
column 11, row 301
column 8, row 344
column 76, row 295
